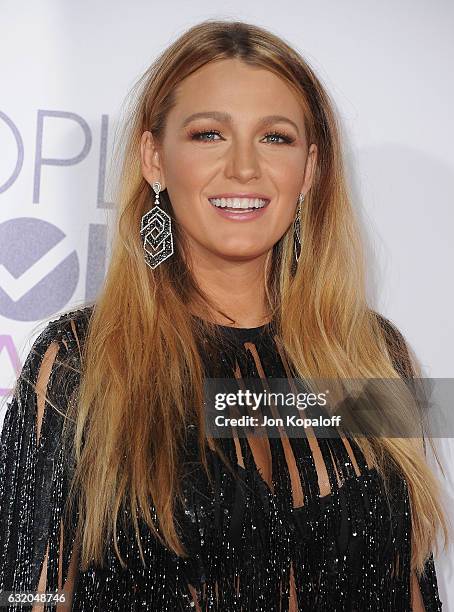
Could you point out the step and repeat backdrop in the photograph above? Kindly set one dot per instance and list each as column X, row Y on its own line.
column 66, row 71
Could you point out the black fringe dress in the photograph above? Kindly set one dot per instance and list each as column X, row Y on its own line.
column 253, row 547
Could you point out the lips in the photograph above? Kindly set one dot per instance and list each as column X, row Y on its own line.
column 236, row 213
column 239, row 204
column 260, row 196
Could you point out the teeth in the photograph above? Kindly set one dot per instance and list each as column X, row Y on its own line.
column 238, row 202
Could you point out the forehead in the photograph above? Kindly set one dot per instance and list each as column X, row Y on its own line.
column 234, row 86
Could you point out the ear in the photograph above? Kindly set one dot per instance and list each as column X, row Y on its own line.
column 151, row 162
column 309, row 171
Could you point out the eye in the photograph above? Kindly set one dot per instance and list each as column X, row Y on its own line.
column 285, row 137
column 196, row 135
column 200, row 136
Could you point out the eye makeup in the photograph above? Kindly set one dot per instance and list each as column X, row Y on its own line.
column 196, row 134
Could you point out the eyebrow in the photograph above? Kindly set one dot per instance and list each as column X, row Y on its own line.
column 227, row 118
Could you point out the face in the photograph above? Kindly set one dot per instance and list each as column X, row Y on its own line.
column 242, row 150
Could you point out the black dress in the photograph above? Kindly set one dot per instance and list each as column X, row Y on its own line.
column 251, row 544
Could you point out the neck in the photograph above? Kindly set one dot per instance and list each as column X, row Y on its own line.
column 235, row 287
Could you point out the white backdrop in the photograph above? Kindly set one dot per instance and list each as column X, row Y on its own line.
column 65, row 71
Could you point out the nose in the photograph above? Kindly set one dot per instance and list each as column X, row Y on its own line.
column 242, row 161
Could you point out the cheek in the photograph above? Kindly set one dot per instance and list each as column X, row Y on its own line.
column 280, row 219
column 288, row 183
column 288, row 177
column 187, row 174
column 287, row 180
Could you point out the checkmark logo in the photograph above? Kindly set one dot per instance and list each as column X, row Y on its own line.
column 39, row 269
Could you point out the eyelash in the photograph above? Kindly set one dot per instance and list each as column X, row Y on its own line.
column 288, row 139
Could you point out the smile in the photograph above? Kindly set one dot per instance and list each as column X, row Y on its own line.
column 239, row 205
column 239, row 208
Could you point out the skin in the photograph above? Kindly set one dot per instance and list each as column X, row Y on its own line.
column 228, row 256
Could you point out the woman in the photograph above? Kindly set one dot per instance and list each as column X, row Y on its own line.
column 236, row 255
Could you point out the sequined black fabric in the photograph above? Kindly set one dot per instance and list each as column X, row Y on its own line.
column 251, row 548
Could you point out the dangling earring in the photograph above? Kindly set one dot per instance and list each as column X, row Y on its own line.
column 297, row 228
column 156, row 232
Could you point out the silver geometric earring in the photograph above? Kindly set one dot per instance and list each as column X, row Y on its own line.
column 156, row 232
column 297, row 228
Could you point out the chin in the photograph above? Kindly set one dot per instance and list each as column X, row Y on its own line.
column 241, row 255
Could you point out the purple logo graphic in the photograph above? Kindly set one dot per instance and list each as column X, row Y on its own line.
column 7, row 344
column 38, row 275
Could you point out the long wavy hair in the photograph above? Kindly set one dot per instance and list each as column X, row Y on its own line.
column 142, row 377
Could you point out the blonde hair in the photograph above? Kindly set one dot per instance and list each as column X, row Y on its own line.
column 142, row 378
